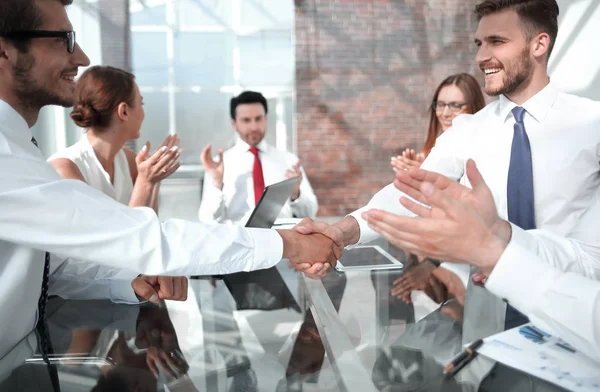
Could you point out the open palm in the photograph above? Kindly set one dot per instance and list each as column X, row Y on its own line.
column 479, row 198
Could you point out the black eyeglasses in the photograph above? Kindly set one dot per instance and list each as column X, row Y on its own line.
column 68, row 36
column 455, row 107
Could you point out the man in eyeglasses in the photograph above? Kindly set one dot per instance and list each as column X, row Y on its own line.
column 43, row 216
column 46, row 77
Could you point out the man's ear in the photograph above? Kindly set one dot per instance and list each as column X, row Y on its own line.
column 5, row 52
column 540, row 45
column 122, row 111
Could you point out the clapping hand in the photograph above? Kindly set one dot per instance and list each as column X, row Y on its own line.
column 408, row 160
column 215, row 169
column 161, row 164
column 460, row 224
column 295, row 172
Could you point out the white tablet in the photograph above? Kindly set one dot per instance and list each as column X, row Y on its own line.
column 366, row 258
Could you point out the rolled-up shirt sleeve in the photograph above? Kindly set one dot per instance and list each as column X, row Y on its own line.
column 566, row 303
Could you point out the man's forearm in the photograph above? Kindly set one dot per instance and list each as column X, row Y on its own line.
column 351, row 229
column 290, row 249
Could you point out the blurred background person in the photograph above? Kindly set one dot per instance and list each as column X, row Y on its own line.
column 457, row 94
column 234, row 183
column 110, row 107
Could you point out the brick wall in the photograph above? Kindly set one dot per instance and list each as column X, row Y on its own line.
column 365, row 73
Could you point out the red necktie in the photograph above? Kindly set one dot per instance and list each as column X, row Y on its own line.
column 257, row 176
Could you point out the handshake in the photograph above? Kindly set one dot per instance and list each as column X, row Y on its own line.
column 313, row 247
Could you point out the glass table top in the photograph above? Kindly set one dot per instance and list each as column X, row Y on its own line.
column 268, row 330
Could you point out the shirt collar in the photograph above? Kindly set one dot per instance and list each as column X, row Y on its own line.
column 13, row 121
column 242, row 146
column 537, row 106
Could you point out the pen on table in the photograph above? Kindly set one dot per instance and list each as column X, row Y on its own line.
column 461, row 365
column 462, row 359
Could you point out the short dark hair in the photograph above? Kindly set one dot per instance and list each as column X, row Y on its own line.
column 538, row 16
column 247, row 97
column 100, row 90
column 20, row 15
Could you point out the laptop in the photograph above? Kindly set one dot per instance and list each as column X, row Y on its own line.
column 264, row 289
column 270, row 204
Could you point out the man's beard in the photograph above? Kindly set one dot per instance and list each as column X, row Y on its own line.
column 515, row 76
column 31, row 94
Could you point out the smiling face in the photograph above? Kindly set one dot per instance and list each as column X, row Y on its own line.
column 452, row 96
column 504, row 54
column 44, row 75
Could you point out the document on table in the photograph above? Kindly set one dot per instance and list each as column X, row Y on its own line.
column 536, row 352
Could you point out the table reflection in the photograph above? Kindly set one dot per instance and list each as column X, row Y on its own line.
column 269, row 330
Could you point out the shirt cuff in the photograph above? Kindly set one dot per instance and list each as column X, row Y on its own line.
column 520, row 278
column 121, row 290
column 216, row 196
column 366, row 233
column 522, row 239
column 217, row 191
column 268, row 247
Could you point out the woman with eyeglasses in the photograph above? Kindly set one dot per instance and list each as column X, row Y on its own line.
column 456, row 95
column 109, row 106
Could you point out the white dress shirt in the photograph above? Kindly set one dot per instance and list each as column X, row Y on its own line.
column 76, row 279
column 565, row 303
column 564, row 133
column 43, row 212
column 83, row 155
column 235, row 202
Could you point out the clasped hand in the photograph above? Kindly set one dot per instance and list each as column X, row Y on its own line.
column 313, row 247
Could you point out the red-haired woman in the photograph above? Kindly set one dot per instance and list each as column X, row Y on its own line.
column 457, row 94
